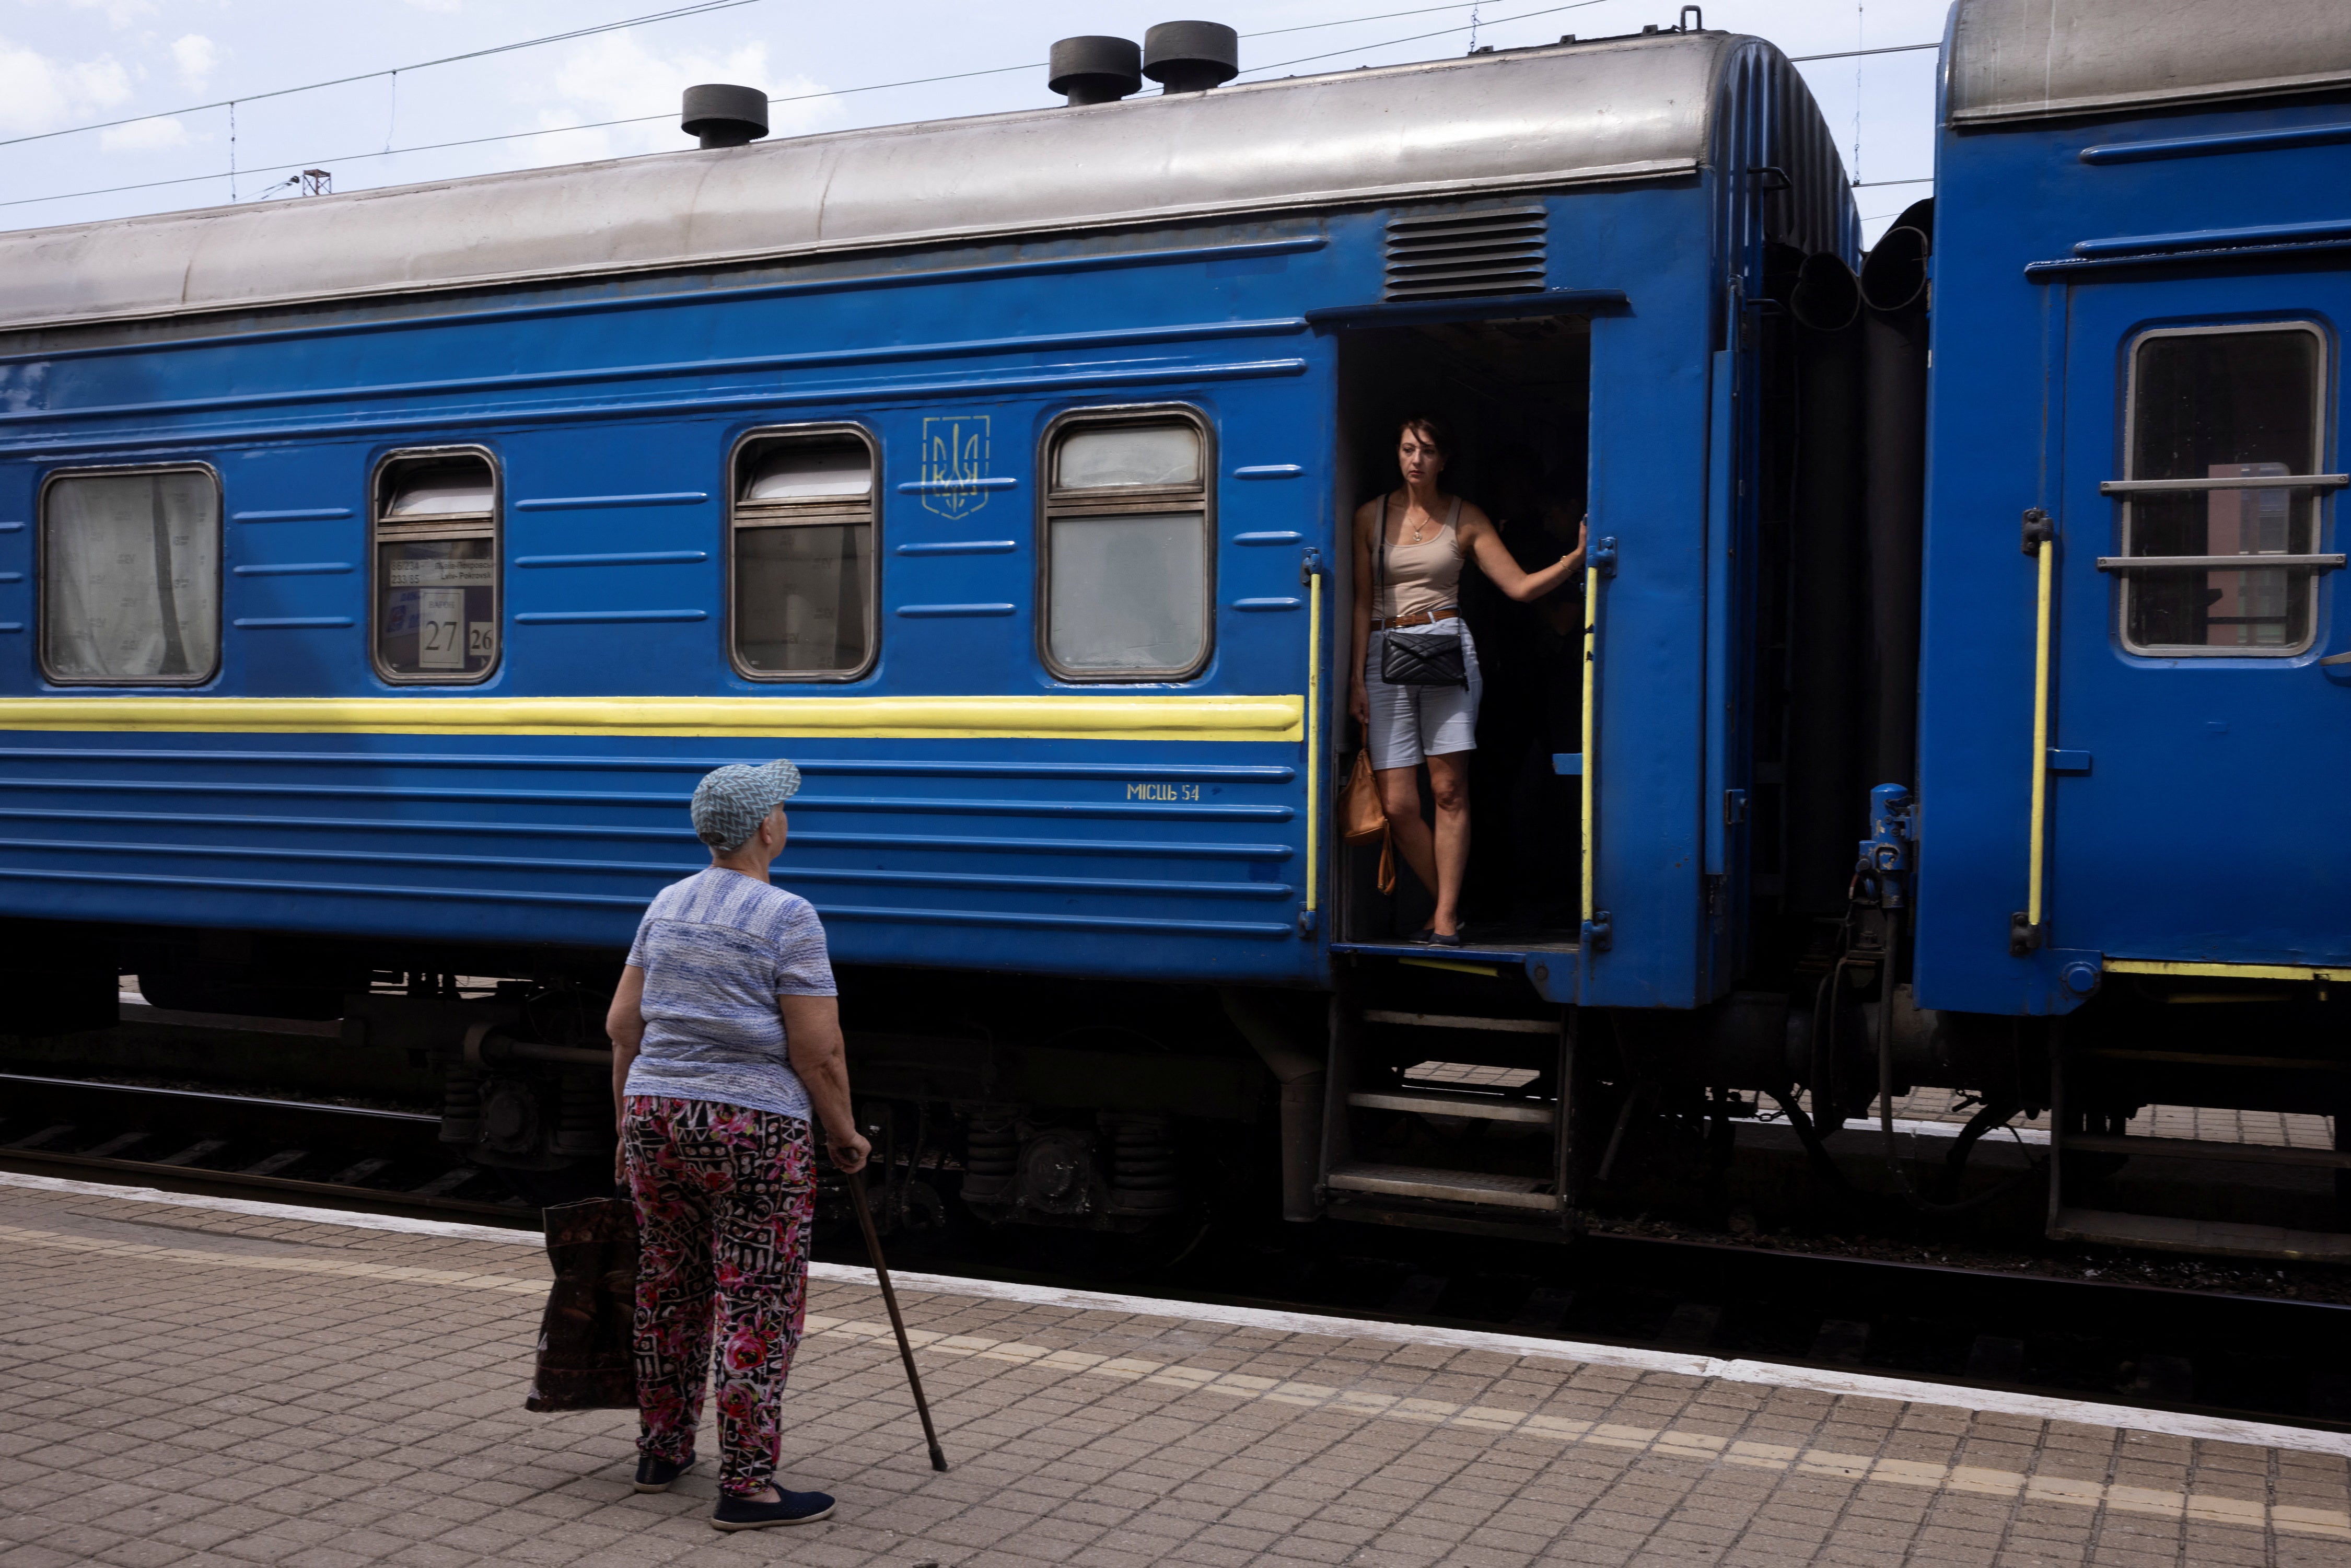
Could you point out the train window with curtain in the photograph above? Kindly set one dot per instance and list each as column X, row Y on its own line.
column 436, row 566
column 802, row 557
column 131, row 588
column 1127, row 555
column 2216, row 415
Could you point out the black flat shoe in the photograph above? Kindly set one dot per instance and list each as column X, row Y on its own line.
column 1436, row 938
column 790, row 1508
column 655, row 1475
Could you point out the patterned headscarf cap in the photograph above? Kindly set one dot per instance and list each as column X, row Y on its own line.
column 731, row 803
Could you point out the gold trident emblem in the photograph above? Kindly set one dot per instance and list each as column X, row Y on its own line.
column 954, row 459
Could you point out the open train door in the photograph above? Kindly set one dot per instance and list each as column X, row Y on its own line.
column 2199, row 700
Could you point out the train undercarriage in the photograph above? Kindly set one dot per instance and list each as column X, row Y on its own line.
column 1435, row 1093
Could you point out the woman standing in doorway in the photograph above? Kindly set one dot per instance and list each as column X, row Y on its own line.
column 1410, row 546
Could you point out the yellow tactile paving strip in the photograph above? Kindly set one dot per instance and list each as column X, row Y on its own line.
column 1462, row 1417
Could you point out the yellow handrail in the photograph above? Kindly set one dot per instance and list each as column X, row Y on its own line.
column 2047, row 556
column 1591, row 688
column 1313, row 737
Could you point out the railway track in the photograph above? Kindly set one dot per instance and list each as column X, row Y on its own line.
column 294, row 1151
column 2250, row 1356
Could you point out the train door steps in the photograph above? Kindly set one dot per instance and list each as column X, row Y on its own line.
column 2219, row 1237
column 1459, row 1020
column 1445, row 1103
column 1406, row 1085
column 1444, row 1186
column 2073, row 1220
column 2207, row 1149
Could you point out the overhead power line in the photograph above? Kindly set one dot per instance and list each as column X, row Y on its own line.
column 1471, row 27
column 647, row 119
column 701, row 7
column 1857, row 54
column 796, row 98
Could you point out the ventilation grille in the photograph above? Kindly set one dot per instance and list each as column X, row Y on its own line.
column 1498, row 250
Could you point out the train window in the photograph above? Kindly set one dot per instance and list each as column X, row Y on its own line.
column 1127, row 554
column 131, row 577
column 803, row 557
column 437, row 567
column 2211, row 408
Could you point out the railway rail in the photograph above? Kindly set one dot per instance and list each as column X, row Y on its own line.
column 329, row 1155
column 2219, row 1352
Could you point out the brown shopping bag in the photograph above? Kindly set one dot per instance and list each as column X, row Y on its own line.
column 586, row 1357
column 1361, row 818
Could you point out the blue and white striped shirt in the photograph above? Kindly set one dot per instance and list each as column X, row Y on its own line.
column 717, row 949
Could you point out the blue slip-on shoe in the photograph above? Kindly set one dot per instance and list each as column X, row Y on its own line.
column 1436, row 938
column 790, row 1508
column 655, row 1475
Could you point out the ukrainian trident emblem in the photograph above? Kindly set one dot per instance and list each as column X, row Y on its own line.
column 954, row 460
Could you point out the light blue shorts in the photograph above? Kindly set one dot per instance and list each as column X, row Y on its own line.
column 1409, row 722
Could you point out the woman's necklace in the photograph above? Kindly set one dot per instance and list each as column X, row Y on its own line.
column 1419, row 535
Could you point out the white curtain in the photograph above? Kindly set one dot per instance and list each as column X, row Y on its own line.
column 131, row 577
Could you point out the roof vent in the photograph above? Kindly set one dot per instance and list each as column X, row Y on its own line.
column 1095, row 69
column 725, row 116
column 1191, row 57
column 1498, row 250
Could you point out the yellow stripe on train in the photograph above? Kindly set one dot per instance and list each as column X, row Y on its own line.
column 1052, row 717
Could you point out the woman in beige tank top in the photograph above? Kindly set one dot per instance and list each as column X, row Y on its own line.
column 1428, row 535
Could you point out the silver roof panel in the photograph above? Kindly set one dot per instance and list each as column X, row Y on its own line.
column 2038, row 59
column 1639, row 108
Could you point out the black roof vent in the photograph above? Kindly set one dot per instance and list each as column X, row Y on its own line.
column 1191, row 57
column 1495, row 250
column 1095, row 69
column 725, row 116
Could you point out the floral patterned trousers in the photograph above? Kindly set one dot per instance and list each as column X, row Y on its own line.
column 724, row 1197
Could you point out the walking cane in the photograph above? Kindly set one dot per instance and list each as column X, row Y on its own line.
column 897, row 1323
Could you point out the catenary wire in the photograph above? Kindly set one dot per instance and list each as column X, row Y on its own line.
column 691, row 10
column 1416, row 37
column 1857, row 54
column 700, row 9
column 799, row 97
column 647, row 119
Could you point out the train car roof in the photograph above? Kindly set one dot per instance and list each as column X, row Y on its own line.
column 2036, row 59
column 1609, row 110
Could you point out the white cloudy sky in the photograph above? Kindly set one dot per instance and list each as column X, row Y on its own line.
column 73, row 63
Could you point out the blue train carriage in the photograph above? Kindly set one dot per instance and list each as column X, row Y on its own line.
column 383, row 569
column 2134, row 675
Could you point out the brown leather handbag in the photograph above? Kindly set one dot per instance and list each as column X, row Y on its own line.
column 586, row 1351
column 1361, row 818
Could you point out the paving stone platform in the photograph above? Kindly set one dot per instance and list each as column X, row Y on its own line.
column 181, row 1385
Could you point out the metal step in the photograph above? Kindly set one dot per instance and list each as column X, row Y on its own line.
column 1454, row 1020
column 2218, row 1237
column 1451, row 1187
column 2206, row 1149
column 1438, row 1103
